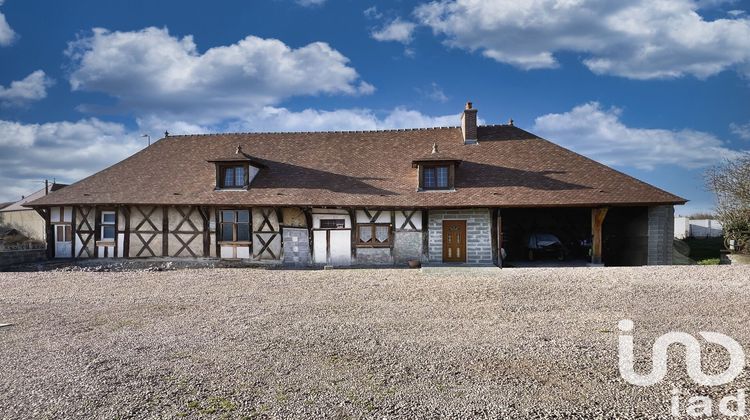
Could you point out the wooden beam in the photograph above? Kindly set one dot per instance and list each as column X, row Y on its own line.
column 494, row 237
column 126, row 232
column 597, row 221
column 50, row 233
column 165, row 232
column 73, row 232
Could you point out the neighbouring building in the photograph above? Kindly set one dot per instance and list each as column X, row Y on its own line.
column 466, row 195
column 25, row 220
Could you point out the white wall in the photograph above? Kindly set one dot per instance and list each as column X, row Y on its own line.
column 696, row 228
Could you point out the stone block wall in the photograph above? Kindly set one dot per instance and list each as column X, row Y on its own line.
column 478, row 240
column 407, row 245
column 660, row 235
column 296, row 246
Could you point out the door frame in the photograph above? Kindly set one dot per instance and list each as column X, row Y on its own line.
column 462, row 225
column 69, row 228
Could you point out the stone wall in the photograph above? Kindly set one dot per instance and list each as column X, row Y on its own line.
column 20, row 257
column 660, row 235
column 296, row 246
column 407, row 245
column 373, row 256
column 478, row 226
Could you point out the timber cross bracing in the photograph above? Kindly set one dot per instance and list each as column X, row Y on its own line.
column 186, row 236
column 85, row 232
column 145, row 236
column 266, row 233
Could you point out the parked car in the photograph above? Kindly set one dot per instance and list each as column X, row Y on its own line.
column 545, row 245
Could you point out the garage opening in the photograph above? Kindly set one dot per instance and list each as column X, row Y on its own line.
column 549, row 237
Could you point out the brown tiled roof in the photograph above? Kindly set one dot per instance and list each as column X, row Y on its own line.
column 508, row 168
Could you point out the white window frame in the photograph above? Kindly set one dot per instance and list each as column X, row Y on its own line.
column 105, row 224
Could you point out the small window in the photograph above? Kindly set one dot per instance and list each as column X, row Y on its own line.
column 332, row 223
column 374, row 234
column 435, row 177
column 235, row 226
column 108, row 226
column 233, row 177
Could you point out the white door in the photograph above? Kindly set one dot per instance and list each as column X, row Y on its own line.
column 63, row 241
column 336, row 243
column 341, row 247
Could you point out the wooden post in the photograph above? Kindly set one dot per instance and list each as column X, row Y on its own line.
column 165, row 232
column 73, row 232
column 597, row 220
column 126, row 232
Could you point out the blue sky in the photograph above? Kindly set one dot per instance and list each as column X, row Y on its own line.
column 659, row 90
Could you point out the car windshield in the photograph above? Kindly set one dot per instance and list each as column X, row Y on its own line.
column 546, row 239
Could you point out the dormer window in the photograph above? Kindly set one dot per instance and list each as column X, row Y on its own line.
column 435, row 178
column 437, row 171
column 233, row 177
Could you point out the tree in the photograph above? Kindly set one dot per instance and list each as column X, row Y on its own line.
column 730, row 183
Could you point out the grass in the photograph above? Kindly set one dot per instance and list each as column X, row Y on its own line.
column 704, row 251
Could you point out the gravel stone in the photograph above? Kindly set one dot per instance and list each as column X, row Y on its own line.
column 256, row 343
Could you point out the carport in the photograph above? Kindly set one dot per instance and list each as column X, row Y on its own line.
column 616, row 236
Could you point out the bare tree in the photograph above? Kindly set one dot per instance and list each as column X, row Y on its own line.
column 730, row 182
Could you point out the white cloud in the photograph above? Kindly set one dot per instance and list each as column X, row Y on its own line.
column 396, row 30
column 32, row 88
column 310, row 3
column 598, row 133
column 7, row 35
column 741, row 130
column 67, row 151
column 151, row 72
column 640, row 39
column 434, row 93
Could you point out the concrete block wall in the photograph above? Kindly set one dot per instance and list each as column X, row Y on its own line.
column 296, row 246
column 660, row 235
column 478, row 226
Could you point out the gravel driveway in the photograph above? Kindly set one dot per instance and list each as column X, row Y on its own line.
column 355, row 343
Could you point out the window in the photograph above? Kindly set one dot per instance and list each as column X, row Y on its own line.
column 374, row 234
column 235, row 226
column 108, row 226
column 63, row 233
column 435, row 178
column 233, row 177
column 332, row 223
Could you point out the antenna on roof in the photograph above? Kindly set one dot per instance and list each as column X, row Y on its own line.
column 510, row 122
column 434, row 148
column 166, row 134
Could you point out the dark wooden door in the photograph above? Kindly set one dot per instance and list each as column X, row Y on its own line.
column 454, row 240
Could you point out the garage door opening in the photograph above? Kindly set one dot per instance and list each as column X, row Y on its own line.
column 551, row 237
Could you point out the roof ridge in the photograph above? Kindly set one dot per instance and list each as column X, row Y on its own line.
column 322, row 132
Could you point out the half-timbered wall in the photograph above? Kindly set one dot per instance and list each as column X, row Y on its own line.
column 84, row 233
column 406, row 236
column 146, row 227
column 266, row 234
column 185, row 231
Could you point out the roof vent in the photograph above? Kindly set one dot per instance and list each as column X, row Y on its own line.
column 239, row 149
column 434, row 148
column 510, row 122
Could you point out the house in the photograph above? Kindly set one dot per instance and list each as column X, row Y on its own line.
column 465, row 195
column 687, row 227
column 25, row 220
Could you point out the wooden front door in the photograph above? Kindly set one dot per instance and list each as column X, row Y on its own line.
column 454, row 240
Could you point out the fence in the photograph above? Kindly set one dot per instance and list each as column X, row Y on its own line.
column 685, row 227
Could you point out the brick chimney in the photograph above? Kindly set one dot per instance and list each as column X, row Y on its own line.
column 469, row 124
